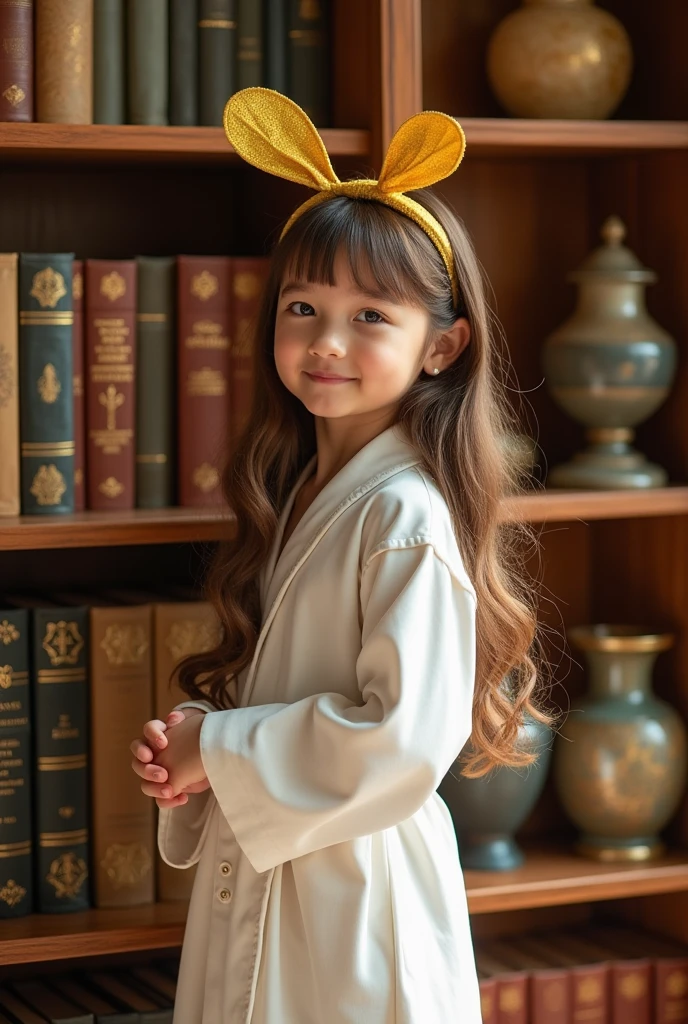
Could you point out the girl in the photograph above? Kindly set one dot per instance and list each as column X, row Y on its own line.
column 370, row 608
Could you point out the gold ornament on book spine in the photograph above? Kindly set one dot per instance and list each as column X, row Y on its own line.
column 113, row 286
column 124, row 643
column 48, row 287
column 273, row 133
column 14, row 94
column 48, row 485
column 204, row 285
column 111, row 487
column 78, row 285
column 12, row 893
column 126, row 864
column 189, row 637
column 67, row 874
column 62, row 642
column 206, row 478
column 48, row 384
column 8, row 632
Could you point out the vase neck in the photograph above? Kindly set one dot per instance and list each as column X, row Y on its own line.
column 613, row 674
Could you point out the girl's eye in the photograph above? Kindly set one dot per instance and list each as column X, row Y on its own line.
column 371, row 316
column 302, row 309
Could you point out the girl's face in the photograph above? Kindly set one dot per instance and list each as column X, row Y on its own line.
column 345, row 352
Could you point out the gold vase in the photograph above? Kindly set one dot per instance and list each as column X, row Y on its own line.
column 560, row 59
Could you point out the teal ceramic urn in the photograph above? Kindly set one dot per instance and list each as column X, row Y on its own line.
column 610, row 366
column 488, row 811
column 620, row 757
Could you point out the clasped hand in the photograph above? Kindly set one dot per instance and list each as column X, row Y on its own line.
column 168, row 758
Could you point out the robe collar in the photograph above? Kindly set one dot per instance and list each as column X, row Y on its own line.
column 387, row 454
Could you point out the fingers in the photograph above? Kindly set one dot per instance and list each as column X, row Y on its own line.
column 141, row 751
column 154, row 732
column 149, row 772
column 158, row 790
column 176, row 801
column 175, row 717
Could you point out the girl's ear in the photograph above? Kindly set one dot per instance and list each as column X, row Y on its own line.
column 447, row 347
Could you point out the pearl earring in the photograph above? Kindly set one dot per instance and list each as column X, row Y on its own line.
column 436, row 370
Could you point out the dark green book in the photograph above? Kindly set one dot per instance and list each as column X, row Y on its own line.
column 46, row 382
column 216, row 58
column 184, row 62
column 16, row 861
column 155, row 390
column 249, row 44
column 276, row 45
column 308, row 58
column 59, row 702
column 147, row 61
column 109, row 62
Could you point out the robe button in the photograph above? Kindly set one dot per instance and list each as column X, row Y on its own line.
column 225, row 895
column 225, row 868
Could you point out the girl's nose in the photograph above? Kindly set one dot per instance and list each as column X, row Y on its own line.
column 327, row 343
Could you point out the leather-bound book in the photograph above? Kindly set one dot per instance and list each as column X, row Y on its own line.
column 489, row 1008
column 184, row 62
column 123, row 819
column 204, row 317
column 16, row 60
column 149, row 1009
column 109, row 62
column 10, row 493
column 589, row 979
column 248, row 279
column 148, row 61
column 630, row 978
column 181, row 628
column 216, row 58
column 52, row 1006
column 308, row 57
column 276, row 45
column 16, row 777
column 249, row 44
column 513, row 998
column 105, row 1011
column 46, row 402
column 670, row 968
column 110, row 383
column 550, row 987
column 155, row 379
column 59, row 701
column 64, row 61
column 78, row 386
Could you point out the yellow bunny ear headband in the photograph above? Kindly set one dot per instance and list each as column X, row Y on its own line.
column 273, row 133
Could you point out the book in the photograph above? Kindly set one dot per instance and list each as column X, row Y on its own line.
column 16, row 60
column 78, row 386
column 150, row 1010
column 216, row 58
column 589, row 979
column 180, row 628
column 46, row 403
column 550, row 989
column 16, row 845
column 104, row 1011
column 249, row 44
column 511, row 985
column 308, row 58
column 59, row 723
column 121, row 701
column 54, row 1007
column 204, row 316
column 630, row 980
column 183, row 62
column 10, row 492
column 489, row 1008
column 669, row 963
column 147, row 61
column 249, row 275
column 110, row 383
column 276, row 45
column 64, row 61
column 109, row 62
column 155, row 380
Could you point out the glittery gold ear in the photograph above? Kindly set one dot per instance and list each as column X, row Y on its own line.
column 273, row 133
column 425, row 149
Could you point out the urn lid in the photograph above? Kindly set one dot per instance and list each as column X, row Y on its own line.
column 612, row 260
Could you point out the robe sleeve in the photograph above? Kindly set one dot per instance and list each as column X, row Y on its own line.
column 294, row 778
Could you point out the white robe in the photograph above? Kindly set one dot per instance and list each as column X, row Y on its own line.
column 328, row 888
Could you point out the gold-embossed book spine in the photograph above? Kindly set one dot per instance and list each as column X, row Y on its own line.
column 46, row 382
column 10, row 499
column 16, row 60
column 64, row 61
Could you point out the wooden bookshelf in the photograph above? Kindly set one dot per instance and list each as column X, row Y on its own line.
column 495, row 136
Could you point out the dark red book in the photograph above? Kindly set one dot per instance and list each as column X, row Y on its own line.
column 512, row 1002
column 248, row 279
column 78, row 381
column 204, row 319
column 110, row 306
column 16, row 60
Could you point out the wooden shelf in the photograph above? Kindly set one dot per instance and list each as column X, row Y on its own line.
column 91, row 933
column 493, row 136
column 551, row 877
column 141, row 143
column 185, row 525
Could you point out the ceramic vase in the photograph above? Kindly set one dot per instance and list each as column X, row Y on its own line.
column 559, row 59
column 488, row 811
column 610, row 366
column 620, row 758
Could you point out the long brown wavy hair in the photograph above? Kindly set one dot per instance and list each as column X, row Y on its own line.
column 459, row 423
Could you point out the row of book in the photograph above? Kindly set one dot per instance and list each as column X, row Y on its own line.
column 79, row 676
column 604, row 974
column 132, row 995
column 159, row 62
column 122, row 382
